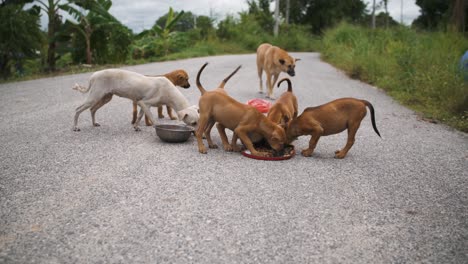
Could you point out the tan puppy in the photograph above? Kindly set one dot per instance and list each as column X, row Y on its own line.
column 285, row 108
column 273, row 61
column 331, row 118
column 216, row 106
column 178, row 78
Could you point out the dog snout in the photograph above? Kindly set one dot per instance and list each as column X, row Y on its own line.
column 291, row 72
column 187, row 85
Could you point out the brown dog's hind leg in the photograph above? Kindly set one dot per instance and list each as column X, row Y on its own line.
column 169, row 112
column 160, row 112
column 352, row 130
column 211, row 145
column 260, row 71
column 202, row 126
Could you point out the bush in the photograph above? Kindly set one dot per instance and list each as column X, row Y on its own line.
column 418, row 69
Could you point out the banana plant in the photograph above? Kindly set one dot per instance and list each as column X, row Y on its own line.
column 164, row 32
column 86, row 24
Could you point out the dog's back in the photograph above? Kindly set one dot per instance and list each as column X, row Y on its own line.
column 261, row 51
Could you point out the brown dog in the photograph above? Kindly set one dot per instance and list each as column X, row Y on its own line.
column 285, row 108
column 178, row 78
column 244, row 120
column 331, row 118
column 273, row 61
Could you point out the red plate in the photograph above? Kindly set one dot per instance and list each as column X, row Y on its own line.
column 285, row 157
column 262, row 105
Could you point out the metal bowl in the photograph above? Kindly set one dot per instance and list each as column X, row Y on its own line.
column 173, row 133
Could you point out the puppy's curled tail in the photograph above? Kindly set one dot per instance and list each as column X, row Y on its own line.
column 221, row 85
column 289, row 84
column 80, row 88
column 199, row 85
column 371, row 108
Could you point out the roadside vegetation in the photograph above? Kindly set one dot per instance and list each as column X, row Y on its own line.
column 417, row 65
column 419, row 69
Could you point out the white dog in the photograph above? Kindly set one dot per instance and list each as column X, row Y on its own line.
column 145, row 90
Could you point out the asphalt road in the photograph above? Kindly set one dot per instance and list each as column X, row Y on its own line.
column 113, row 195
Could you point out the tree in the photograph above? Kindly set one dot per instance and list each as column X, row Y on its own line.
column 432, row 14
column 164, row 32
column 205, row 25
column 97, row 17
column 186, row 22
column 321, row 14
column 20, row 35
column 51, row 8
column 262, row 14
column 459, row 14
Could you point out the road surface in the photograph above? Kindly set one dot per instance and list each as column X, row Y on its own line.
column 112, row 195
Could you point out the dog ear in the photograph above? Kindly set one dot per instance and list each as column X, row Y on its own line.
column 281, row 61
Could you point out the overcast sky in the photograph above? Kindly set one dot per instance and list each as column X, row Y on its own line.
column 139, row 15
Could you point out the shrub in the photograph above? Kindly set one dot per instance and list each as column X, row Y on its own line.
column 418, row 69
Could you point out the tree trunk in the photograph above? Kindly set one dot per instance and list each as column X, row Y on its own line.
column 89, row 55
column 373, row 15
column 458, row 15
column 51, row 38
column 276, row 28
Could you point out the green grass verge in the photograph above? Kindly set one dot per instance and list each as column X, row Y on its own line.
column 420, row 70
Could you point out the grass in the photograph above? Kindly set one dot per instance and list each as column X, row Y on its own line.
column 420, row 70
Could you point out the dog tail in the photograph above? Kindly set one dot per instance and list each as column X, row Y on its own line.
column 371, row 108
column 80, row 88
column 199, row 85
column 221, row 85
column 289, row 84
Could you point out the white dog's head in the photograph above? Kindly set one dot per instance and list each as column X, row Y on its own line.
column 189, row 115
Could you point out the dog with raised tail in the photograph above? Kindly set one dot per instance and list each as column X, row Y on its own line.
column 328, row 119
column 145, row 90
column 244, row 120
column 285, row 108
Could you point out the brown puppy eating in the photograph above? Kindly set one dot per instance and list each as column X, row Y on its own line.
column 273, row 61
column 243, row 119
column 285, row 108
column 331, row 118
column 178, row 78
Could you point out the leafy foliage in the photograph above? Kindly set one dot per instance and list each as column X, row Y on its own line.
column 419, row 69
column 18, row 39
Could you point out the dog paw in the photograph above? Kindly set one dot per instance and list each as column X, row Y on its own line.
column 213, row 146
column 160, row 116
column 264, row 154
column 137, row 129
column 202, row 150
column 96, row 125
column 306, row 152
column 339, row 154
column 174, row 118
column 228, row 148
